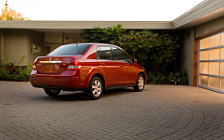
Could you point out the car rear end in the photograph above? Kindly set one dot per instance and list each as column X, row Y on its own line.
column 60, row 69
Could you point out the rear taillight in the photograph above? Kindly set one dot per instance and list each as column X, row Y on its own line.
column 34, row 67
column 74, row 66
column 34, row 64
column 34, row 70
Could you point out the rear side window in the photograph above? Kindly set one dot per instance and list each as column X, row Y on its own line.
column 119, row 54
column 70, row 49
column 104, row 52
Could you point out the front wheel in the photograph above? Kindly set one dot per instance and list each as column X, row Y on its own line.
column 140, row 83
column 95, row 88
column 51, row 92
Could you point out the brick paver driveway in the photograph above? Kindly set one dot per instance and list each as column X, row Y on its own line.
column 160, row 112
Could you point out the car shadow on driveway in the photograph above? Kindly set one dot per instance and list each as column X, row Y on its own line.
column 81, row 96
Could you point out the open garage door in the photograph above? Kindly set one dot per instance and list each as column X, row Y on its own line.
column 211, row 63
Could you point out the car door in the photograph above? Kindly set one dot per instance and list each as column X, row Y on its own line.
column 124, row 63
column 107, row 65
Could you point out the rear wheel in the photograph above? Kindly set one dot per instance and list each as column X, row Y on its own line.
column 95, row 88
column 51, row 92
column 140, row 83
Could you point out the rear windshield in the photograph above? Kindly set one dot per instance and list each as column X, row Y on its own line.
column 70, row 49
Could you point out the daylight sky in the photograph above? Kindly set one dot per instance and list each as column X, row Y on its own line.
column 112, row 10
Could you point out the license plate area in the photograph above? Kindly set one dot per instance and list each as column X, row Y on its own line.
column 50, row 68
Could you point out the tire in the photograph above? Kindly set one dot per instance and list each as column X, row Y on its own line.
column 51, row 92
column 95, row 89
column 140, row 83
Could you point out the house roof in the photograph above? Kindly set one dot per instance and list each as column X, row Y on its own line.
column 78, row 25
column 206, row 11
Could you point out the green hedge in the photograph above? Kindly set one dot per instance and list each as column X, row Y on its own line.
column 13, row 72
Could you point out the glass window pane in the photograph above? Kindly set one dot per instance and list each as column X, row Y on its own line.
column 214, row 40
column 204, row 43
column 204, row 55
column 203, row 80
column 214, row 82
column 222, row 68
column 214, row 54
column 204, row 67
column 104, row 52
column 222, row 53
column 222, row 84
column 214, row 68
column 70, row 49
column 222, row 39
column 118, row 54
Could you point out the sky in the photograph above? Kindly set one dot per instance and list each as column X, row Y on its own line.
column 102, row 10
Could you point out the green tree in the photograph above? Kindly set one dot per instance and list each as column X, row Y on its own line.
column 104, row 35
column 151, row 48
column 155, row 51
column 139, row 43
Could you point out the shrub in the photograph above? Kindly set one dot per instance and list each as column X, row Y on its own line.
column 178, row 78
column 172, row 78
column 11, row 71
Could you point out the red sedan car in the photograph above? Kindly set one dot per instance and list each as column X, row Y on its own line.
column 89, row 67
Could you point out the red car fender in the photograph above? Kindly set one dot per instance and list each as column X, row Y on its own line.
column 92, row 72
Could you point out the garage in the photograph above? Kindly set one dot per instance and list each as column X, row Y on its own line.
column 211, row 62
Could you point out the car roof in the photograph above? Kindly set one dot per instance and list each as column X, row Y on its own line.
column 91, row 43
column 95, row 44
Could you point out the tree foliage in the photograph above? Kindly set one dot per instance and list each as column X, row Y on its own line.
column 9, row 14
column 155, row 51
column 150, row 48
column 146, row 46
column 104, row 35
column 139, row 43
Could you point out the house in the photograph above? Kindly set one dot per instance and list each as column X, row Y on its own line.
column 202, row 52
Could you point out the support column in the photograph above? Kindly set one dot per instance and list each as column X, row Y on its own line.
column 2, row 48
column 195, row 79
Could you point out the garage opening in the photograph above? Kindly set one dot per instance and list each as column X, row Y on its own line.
column 211, row 63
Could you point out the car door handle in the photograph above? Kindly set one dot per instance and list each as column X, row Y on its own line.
column 121, row 65
column 102, row 64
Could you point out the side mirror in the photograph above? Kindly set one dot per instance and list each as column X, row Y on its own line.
column 134, row 60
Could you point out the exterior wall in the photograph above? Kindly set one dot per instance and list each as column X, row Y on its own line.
column 17, row 43
column 210, row 27
column 1, row 47
column 187, row 55
column 16, row 46
column 38, row 39
column 188, row 52
column 54, row 40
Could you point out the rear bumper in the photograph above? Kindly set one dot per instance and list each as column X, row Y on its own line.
column 64, row 82
column 59, row 87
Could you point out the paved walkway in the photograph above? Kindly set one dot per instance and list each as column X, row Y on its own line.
column 160, row 112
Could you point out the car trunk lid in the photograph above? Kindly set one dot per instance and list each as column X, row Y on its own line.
column 54, row 64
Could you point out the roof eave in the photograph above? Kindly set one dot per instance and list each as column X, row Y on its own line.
column 205, row 11
column 67, row 25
